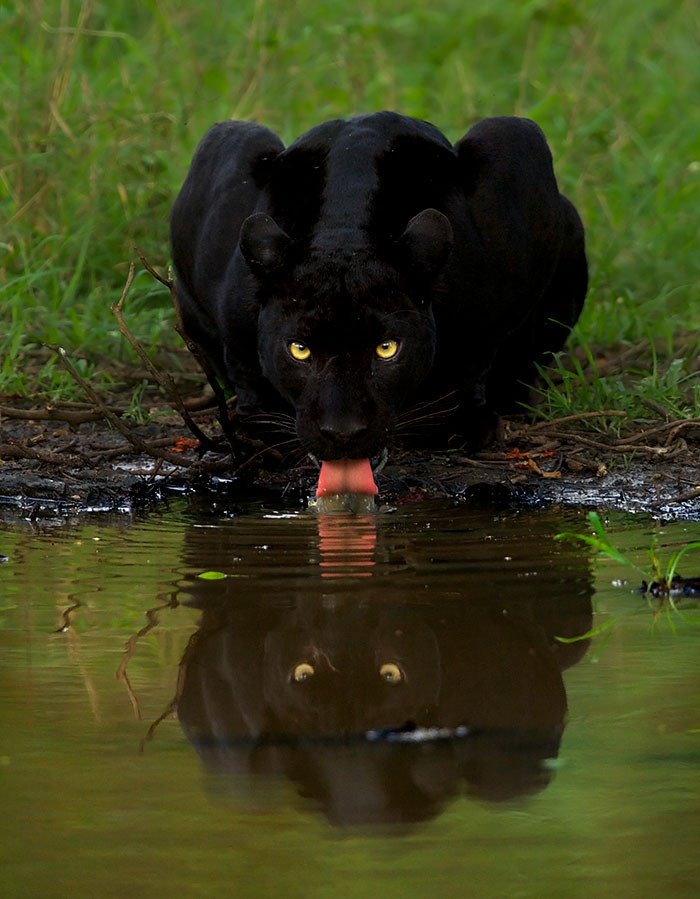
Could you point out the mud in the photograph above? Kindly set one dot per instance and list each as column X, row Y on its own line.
column 56, row 469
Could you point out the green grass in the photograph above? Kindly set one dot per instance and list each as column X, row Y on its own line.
column 656, row 581
column 663, row 377
column 102, row 105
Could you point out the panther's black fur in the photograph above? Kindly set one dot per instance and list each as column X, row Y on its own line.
column 371, row 265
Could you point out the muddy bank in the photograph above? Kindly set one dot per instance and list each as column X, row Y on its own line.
column 66, row 460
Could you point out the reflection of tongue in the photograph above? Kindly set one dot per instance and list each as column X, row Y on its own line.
column 346, row 476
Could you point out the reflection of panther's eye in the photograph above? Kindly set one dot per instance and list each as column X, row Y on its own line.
column 303, row 671
column 299, row 351
column 387, row 349
column 391, row 673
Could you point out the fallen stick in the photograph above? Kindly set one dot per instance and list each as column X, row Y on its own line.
column 127, row 448
column 73, row 417
column 680, row 498
column 164, row 379
column 120, row 426
column 615, row 447
column 580, row 416
column 196, row 351
column 673, row 426
column 20, row 451
column 655, row 407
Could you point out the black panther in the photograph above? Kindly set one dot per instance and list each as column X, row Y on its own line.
column 371, row 266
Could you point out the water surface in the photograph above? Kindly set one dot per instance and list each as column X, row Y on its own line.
column 372, row 706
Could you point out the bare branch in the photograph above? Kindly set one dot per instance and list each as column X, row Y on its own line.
column 164, row 379
column 118, row 423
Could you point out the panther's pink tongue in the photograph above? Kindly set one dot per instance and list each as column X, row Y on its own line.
column 346, row 476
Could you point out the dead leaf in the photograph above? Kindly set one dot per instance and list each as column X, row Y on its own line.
column 182, row 444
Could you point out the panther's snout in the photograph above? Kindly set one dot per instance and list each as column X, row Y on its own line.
column 339, row 415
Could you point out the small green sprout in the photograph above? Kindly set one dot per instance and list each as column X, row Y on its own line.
column 657, row 583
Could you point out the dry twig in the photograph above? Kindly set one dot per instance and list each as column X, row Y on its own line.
column 50, row 413
column 123, row 429
column 164, row 379
column 15, row 450
column 666, row 451
column 196, row 351
column 673, row 427
column 580, row 416
column 680, row 498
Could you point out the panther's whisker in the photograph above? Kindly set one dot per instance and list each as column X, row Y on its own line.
column 270, row 417
column 296, row 457
column 261, row 452
column 426, row 404
column 433, row 418
column 410, row 435
column 273, row 427
column 274, row 424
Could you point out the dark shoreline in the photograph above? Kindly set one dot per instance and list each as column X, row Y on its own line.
column 34, row 490
column 66, row 460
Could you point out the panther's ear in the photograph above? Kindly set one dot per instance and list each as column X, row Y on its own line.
column 426, row 243
column 265, row 246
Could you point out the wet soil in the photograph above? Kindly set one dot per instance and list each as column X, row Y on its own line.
column 68, row 459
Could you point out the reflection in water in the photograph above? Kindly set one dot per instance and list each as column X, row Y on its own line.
column 122, row 670
column 346, row 543
column 290, row 682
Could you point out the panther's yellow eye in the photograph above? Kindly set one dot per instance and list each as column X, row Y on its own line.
column 303, row 671
column 391, row 673
column 387, row 349
column 299, row 351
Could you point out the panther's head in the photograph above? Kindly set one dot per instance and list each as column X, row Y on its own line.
column 346, row 331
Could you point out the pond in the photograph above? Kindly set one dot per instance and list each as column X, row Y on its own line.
column 257, row 701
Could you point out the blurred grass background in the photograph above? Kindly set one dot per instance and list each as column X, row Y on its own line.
column 102, row 105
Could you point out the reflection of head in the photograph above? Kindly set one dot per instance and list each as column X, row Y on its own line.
column 348, row 670
column 291, row 689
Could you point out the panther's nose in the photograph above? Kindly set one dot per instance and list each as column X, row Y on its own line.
column 343, row 431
